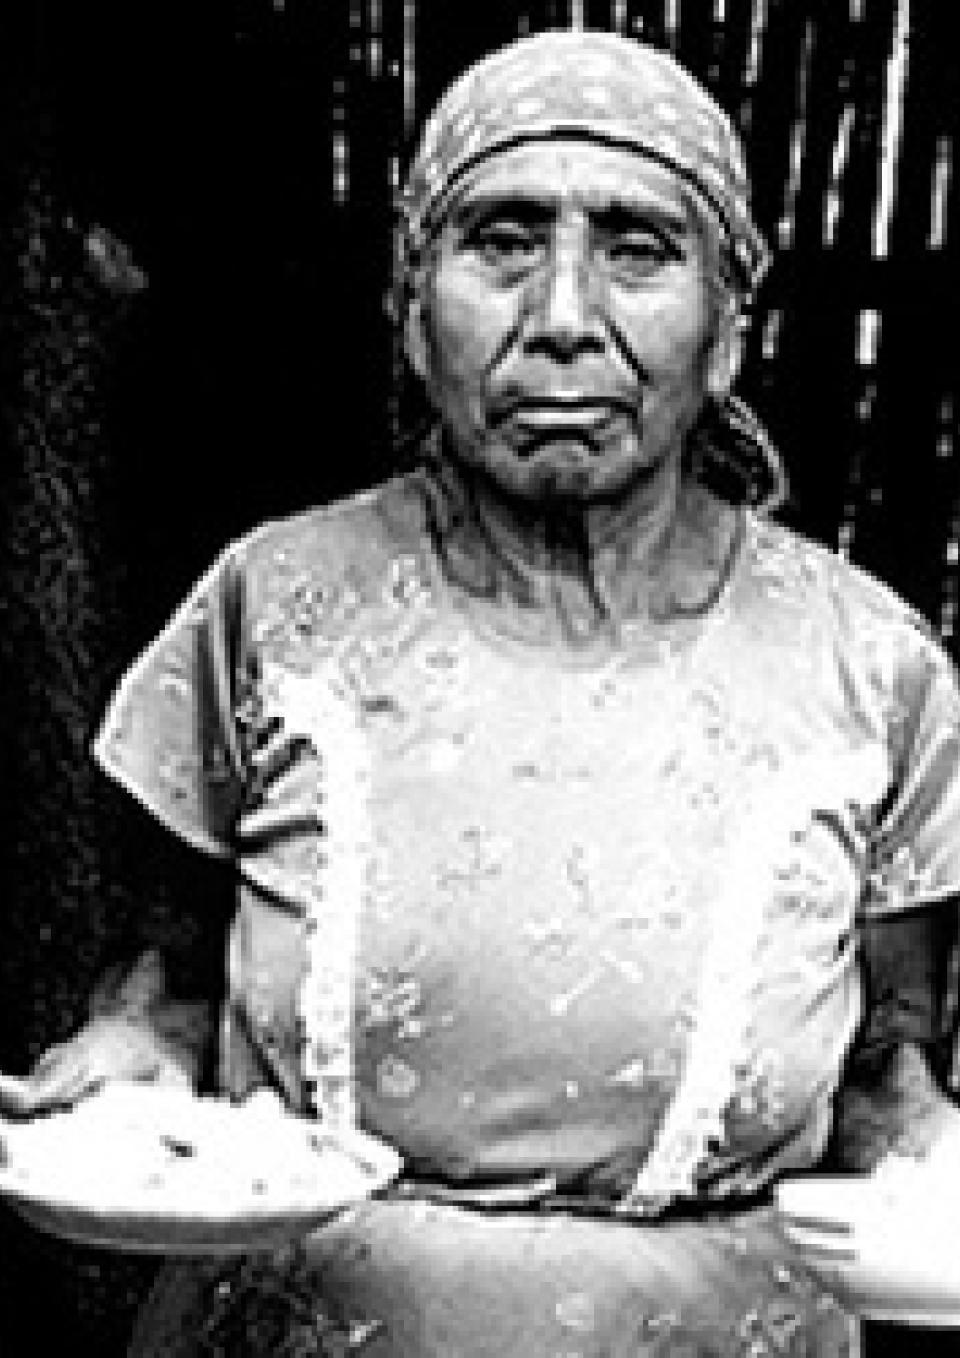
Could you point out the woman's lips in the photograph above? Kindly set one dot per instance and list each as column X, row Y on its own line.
column 569, row 409
column 563, row 414
column 559, row 415
column 534, row 426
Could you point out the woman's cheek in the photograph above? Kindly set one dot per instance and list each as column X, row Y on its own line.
column 465, row 341
column 668, row 333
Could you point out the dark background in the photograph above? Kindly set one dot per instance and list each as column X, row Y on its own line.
column 192, row 338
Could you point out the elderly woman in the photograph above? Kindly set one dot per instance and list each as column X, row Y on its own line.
column 562, row 784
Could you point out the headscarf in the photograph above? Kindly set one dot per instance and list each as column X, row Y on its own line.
column 613, row 91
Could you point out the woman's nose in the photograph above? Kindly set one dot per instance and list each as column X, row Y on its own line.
column 566, row 318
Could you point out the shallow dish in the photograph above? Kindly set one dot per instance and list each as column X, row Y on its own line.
column 161, row 1171
column 886, row 1246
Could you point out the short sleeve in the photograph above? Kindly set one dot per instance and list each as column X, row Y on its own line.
column 169, row 736
column 915, row 841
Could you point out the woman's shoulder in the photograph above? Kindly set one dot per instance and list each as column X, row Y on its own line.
column 866, row 616
column 816, row 572
column 355, row 537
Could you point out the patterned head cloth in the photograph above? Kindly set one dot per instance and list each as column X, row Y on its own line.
column 595, row 86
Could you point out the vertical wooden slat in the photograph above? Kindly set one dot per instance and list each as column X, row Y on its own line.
column 832, row 202
column 758, row 28
column 869, row 326
column 356, row 31
column 787, row 223
column 772, row 329
column 671, row 23
column 852, row 169
column 618, row 15
column 867, row 344
column 946, row 452
column 891, row 130
column 409, row 65
column 393, row 57
column 798, row 99
column 718, row 39
column 342, row 76
column 341, row 164
column 375, row 39
column 940, row 193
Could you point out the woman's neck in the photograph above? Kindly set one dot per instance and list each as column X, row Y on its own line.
column 649, row 554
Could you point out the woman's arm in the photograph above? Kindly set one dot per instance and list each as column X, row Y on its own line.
column 169, row 957
column 893, row 1098
column 140, row 997
column 153, row 1015
column 135, row 1031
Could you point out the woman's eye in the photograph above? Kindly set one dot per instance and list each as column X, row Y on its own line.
column 639, row 253
column 503, row 245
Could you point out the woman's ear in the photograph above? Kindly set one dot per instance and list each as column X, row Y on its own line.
column 415, row 340
column 726, row 351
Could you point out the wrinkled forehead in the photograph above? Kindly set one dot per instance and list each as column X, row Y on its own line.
column 589, row 84
column 569, row 172
column 594, row 87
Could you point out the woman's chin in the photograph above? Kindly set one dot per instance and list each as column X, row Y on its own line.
column 567, row 469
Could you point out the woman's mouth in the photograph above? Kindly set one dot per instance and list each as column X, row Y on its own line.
column 586, row 422
column 568, row 410
column 560, row 415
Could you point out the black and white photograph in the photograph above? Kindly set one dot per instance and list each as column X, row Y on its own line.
column 480, row 658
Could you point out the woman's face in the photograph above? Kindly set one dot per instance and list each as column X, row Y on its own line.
column 563, row 331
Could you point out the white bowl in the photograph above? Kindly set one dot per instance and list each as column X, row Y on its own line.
column 887, row 1245
column 153, row 1170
